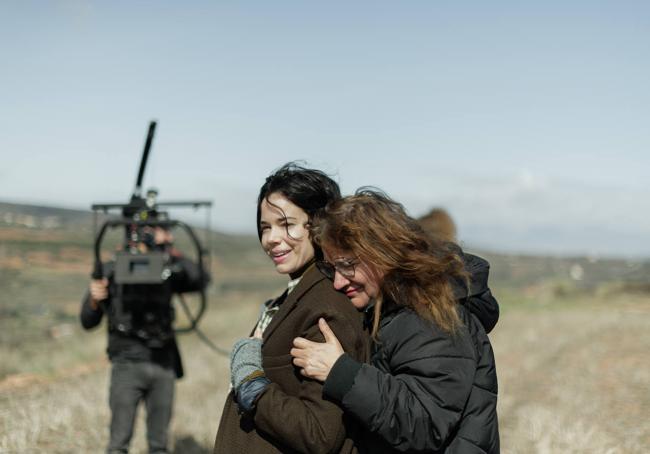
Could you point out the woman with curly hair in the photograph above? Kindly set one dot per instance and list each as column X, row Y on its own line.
column 431, row 384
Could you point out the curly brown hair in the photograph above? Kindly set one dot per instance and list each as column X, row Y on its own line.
column 415, row 268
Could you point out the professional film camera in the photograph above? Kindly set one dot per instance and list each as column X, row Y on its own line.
column 142, row 262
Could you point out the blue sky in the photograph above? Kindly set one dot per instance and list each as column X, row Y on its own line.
column 528, row 121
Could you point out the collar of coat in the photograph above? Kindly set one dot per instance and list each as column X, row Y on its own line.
column 309, row 279
column 389, row 309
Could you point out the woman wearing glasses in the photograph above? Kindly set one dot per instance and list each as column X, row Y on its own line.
column 431, row 384
column 271, row 407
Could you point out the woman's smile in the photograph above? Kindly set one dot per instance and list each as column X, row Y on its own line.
column 279, row 256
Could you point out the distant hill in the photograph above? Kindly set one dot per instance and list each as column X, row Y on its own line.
column 582, row 272
column 34, row 216
column 244, row 250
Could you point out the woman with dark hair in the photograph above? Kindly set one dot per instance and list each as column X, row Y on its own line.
column 271, row 407
column 431, row 384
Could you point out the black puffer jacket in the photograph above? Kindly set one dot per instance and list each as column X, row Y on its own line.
column 477, row 298
column 424, row 390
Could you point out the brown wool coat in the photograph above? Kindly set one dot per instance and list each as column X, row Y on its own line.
column 292, row 415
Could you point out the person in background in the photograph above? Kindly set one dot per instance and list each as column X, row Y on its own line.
column 439, row 223
column 141, row 342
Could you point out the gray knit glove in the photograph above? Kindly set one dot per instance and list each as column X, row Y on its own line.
column 245, row 360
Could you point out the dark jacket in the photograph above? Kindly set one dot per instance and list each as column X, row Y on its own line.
column 148, row 311
column 291, row 414
column 424, row 391
column 478, row 298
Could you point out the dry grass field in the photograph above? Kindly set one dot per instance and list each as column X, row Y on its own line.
column 574, row 367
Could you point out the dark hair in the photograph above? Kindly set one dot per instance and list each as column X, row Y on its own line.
column 309, row 189
column 415, row 268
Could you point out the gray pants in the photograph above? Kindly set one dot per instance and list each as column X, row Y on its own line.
column 132, row 382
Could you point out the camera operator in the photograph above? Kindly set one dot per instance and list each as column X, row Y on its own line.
column 141, row 342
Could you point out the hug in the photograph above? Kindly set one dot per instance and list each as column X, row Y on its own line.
column 379, row 344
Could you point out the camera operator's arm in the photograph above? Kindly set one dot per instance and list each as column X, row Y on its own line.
column 91, row 311
column 186, row 276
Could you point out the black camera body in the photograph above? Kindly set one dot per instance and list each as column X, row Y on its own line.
column 148, row 268
column 141, row 260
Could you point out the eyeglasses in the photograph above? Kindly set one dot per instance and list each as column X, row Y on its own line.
column 344, row 267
